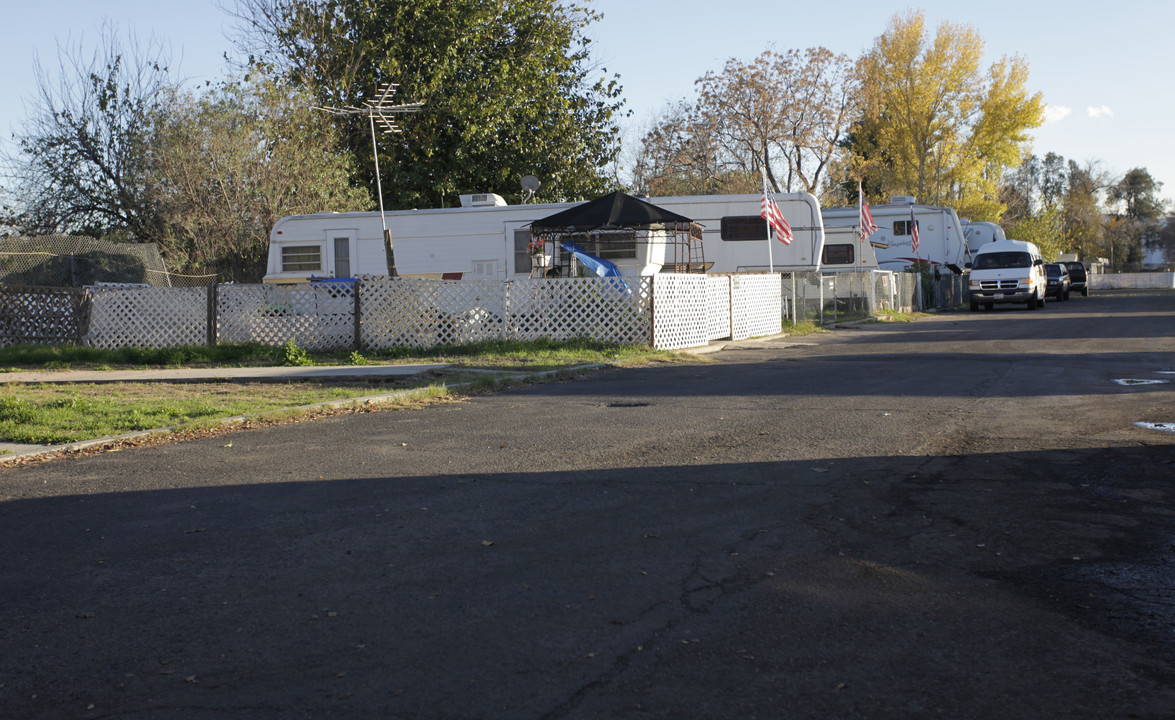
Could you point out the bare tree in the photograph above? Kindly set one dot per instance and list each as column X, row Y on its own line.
column 80, row 163
column 784, row 112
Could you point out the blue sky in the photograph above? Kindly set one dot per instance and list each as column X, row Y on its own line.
column 1104, row 69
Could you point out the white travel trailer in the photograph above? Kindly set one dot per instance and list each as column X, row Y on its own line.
column 980, row 233
column 486, row 238
column 940, row 235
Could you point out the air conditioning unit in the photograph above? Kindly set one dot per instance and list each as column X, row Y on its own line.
column 482, row 200
column 902, row 200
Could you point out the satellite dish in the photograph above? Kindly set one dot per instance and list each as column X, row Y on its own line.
column 530, row 183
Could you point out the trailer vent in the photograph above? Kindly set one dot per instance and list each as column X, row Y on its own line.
column 482, row 200
column 902, row 200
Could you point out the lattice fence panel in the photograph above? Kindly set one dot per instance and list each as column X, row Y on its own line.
column 604, row 309
column 317, row 316
column 679, row 311
column 146, row 317
column 755, row 301
column 40, row 316
column 412, row 312
column 718, row 307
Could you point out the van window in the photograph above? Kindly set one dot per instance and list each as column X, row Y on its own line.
column 301, row 258
column 997, row 260
column 839, row 254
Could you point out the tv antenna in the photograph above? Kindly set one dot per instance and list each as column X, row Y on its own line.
column 384, row 109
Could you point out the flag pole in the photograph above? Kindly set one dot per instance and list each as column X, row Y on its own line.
column 770, row 258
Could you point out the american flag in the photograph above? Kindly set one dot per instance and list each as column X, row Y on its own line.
column 868, row 227
column 772, row 214
column 913, row 230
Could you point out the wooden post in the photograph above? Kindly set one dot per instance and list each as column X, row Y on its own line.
column 212, row 297
column 357, row 344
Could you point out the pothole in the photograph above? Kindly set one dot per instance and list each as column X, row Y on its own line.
column 1168, row 427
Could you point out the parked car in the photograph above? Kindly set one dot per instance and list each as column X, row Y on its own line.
column 1007, row 271
column 1078, row 278
column 1058, row 280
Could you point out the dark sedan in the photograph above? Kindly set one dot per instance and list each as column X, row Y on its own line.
column 1058, row 280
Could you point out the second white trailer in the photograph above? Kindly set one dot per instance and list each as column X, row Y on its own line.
column 940, row 235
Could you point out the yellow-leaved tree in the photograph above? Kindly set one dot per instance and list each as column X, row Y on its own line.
column 937, row 126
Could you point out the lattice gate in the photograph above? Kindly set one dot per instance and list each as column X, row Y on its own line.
column 147, row 317
column 317, row 316
column 755, row 301
column 41, row 315
column 613, row 310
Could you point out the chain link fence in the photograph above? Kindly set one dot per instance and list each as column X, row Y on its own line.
column 833, row 297
column 70, row 261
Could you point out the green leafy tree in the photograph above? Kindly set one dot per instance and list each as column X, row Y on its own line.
column 950, row 130
column 1084, row 223
column 1042, row 228
column 228, row 162
column 508, row 88
column 1138, row 220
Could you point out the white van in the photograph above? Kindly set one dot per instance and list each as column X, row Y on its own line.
column 1007, row 271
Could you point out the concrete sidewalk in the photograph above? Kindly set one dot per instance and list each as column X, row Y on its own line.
column 279, row 373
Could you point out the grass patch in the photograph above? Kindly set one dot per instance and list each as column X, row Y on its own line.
column 895, row 316
column 535, row 355
column 799, row 329
column 67, row 357
column 539, row 354
column 55, row 414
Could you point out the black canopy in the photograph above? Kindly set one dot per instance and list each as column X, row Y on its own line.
column 615, row 210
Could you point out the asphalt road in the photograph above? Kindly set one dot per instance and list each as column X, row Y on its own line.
column 953, row 518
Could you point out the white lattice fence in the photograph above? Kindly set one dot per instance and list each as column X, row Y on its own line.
column 318, row 316
column 755, row 301
column 605, row 309
column 408, row 312
column 718, row 307
column 679, row 311
column 147, row 317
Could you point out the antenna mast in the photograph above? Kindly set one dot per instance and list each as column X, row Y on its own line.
column 384, row 109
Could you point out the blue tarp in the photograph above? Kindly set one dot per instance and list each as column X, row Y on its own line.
column 600, row 266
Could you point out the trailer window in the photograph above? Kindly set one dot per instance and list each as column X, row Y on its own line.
column 840, row 254
column 902, row 227
column 611, row 246
column 745, row 227
column 301, row 258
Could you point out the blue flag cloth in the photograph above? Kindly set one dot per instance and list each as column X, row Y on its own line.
column 600, row 266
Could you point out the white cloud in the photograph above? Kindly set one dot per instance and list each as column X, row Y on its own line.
column 1056, row 113
column 1099, row 112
